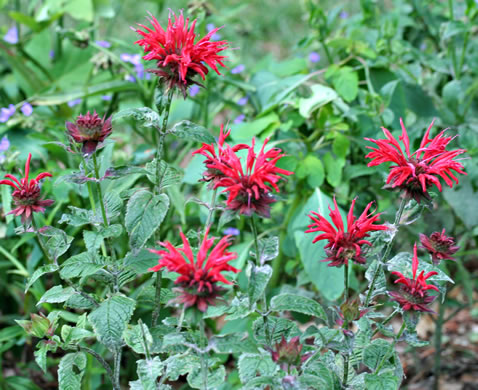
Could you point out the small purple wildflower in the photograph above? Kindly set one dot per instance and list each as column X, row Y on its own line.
column 239, row 119
column 106, row 97
column 74, row 102
column 344, row 15
column 104, row 44
column 11, row 36
column 238, row 69
column 51, row 54
column 130, row 78
column 6, row 113
column 423, row 45
column 4, row 145
column 243, row 101
column 216, row 36
column 27, row 109
column 231, row 231
column 194, row 90
column 314, row 57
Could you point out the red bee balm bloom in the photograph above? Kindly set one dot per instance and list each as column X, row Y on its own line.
column 413, row 294
column 215, row 162
column 344, row 246
column 439, row 245
column 289, row 353
column 248, row 191
column 414, row 173
column 89, row 130
column 178, row 57
column 198, row 277
column 26, row 195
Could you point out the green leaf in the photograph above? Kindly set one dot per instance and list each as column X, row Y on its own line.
column 144, row 115
column 44, row 269
column 245, row 131
column 233, row 343
column 258, row 279
column 56, row 294
column 380, row 286
column 462, row 199
column 148, row 372
column 144, row 214
column 57, row 241
column 71, row 371
column 312, row 169
column 268, row 249
column 80, row 9
column 215, row 378
column 333, row 168
column 178, row 365
column 71, row 334
column 168, row 175
column 93, row 240
column 264, row 382
column 321, row 95
column 110, row 319
column 252, row 364
column 41, row 350
column 277, row 327
column 382, row 381
column 375, row 352
column 133, row 336
column 340, row 145
column 411, row 337
column 345, row 82
column 83, row 264
column 79, row 217
column 192, row 131
column 299, row 304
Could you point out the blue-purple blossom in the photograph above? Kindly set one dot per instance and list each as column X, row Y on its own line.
column 104, row 44
column 4, row 145
column 27, row 109
column 135, row 59
column 11, row 36
column 51, row 54
column 243, row 101
column 194, row 90
column 239, row 119
column 238, row 69
column 314, row 56
column 344, row 15
column 106, row 97
column 6, row 113
column 74, row 102
column 216, row 36
column 231, row 231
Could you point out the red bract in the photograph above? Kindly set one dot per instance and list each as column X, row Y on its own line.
column 439, row 245
column 198, row 275
column 249, row 191
column 215, row 162
column 344, row 245
column 413, row 293
column 89, row 130
column 289, row 353
column 26, row 194
column 178, row 57
column 415, row 173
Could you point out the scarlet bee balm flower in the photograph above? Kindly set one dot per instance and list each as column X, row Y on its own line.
column 344, row 245
column 199, row 274
column 26, row 194
column 439, row 246
column 413, row 293
column 178, row 57
column 89, row 130
column 415, row 172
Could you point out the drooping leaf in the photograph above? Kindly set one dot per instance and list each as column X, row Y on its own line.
column 56, row 294
column 258, row 279
column 299, row 304
column 44, row 269
column 83, row 264
column 57, row 241
column 145, row 116
column 188, row 130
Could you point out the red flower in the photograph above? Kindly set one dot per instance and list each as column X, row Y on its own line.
column 215, row 162
column 415, row 173
column 439, row 245
column 89, row 130
column 344, row 245
column 289, row 353
column 26, row 194
column 198, row 275
column 178, row 57
column 413, row 294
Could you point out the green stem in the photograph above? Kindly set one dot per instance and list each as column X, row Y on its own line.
column 157, row 299
column 256, row 241
column 100, row 192
column 386, row 321
column 346, row 371
column 210, row 217
column 102, row 361
column 463, row 52
column 346, row 278
column 145, row 341
column 42, row 245
column 204, row 342
column 392, row 347
column 117, row 369
column 438, row 339
column 451, row 46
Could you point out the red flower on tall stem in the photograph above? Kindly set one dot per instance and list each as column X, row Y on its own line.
column 26, row 194
column 199, row 274
column 415, row 172
column 178, row 57
column 344, row 245
column 89, row 130
column 439, row 246
column 289, row 353
column 413, row 293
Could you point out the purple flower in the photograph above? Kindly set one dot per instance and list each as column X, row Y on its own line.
column 344, row 15
column 243, row 101
column 231, row 231
column 125, row 57
column 239, row 119
column 238, row 69
column 314, row 56
column 130, row 78
column 104, row 44
column 194, row 90
column 11, row 36
column 73, row 103
column 215, row 36
column 6, row 113
column 4, row 145
column 51, row 54
column 106, row 97
column 27, row 109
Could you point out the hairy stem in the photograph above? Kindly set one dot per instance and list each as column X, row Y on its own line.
column 391, row 349
column 41, row 243
column 204, row 342
column 117, row 369
column 438, row 339
column 100, row 192
column 386, row 321
column 210, row 217
column 157, row 299
column 102, row 361
column 346, row 279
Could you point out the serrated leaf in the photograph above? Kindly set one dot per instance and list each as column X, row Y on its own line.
column 215, row 378
column 277, row 327
column 79, row 217
column 144, row 214
column 110, row 319
column 382, row 381
column 81, row 265
column 148, row 372
column 233, row 343
column 380, row 286
column 183, row 364
column 168, row 175
column 71, row 371
column 44, row 269
column 71, row 334
column 258, row 279
column 411, row 337
column 133, row 336
column 41, row 350
column 189, row 130
column 268, row 249
column 240, row 307
column 56, row 294
column 375, row 352
column 252, row 364
column 57, row 241
column 144, row 115
column 263, row 382
column 299, row 304
column 93, row 240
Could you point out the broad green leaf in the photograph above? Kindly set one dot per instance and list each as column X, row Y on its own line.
column 71, row 334
column 321, row 95
column 312, row 169
column 81, row 265
column 264, row 382
column 94, row 239
column 252, row 364
column 233, row 343
column 215, row 378
column 192, row 131
column 133, row 336
column 345, row 82
column 79, row 217
column 44, row 269
column 299, row 304
column 177, row 365
column 40, row 353
column 80, row 9
column 462, row 199
column 245, row 131
column 375, row 352
column 411, row 337
column 258, row 279
column 110, row 319
column 382, row 381
column 57, row 241
column 148, row 372
column 168, row 175
column 71, row 370
column 268, row 249
column 277, row 327
column 56, row 294
column 333, row 169
column 144, row 213
column 144, row 115
column 380, row 286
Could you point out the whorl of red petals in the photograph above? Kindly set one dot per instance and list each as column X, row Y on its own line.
column 439, row 246
column 89, row 130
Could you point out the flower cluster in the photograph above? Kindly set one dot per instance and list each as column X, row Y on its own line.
column 89, row 130
column 289, row 353
column 179, row 58
column 439, row 246
column 199, row 274
column 344, row 245
column 26, row 194
column 415, row 172
column 413, row 293
column 248, row 190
